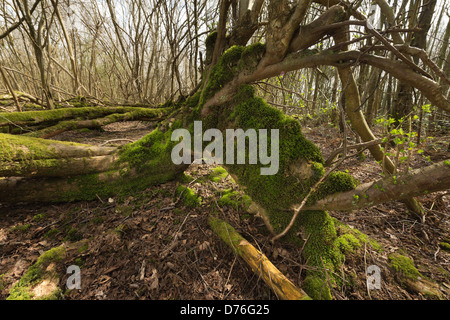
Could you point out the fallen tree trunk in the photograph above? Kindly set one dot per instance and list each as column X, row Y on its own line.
column 63, row 126
column 258, row 262
column 418, row 182
column 49, row 118
column 64, row 167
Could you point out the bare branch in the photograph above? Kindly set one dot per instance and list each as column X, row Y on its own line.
column 420, row 181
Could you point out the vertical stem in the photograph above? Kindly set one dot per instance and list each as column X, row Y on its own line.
column 8, row 85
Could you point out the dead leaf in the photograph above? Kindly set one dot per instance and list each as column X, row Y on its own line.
column 204, row 246
column 244, row 243
column 154, row 281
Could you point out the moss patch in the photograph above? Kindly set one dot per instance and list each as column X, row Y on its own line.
column 404, row 266
column 284, row 189
column 218, row 174
column 344, row 231
column 445, row 245
column 56, row 115
column 227, row 233
column 348, row 243
column 21, row 228
column 43, row 271
column 222, row 72
column 188, row 196
column 316, row 288
column 234, row 199
column 20, row 148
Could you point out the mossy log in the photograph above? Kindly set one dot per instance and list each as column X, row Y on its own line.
column 63, row 126
column 64, row 167
column 39, row 170
column 408, row 276
column 418, row 182
column 47, row 118
column 29, row 157
column 258, row 262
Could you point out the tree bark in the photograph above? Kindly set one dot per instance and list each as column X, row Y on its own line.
column 258, row 262
column 418, row 182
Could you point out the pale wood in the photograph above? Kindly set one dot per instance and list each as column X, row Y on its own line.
column 258, row 262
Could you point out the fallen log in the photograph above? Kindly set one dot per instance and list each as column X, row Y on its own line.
column 50, row 117
column 63, row 126
column 258, row 262
column 418, row 182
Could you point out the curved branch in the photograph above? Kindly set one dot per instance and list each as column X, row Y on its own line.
column 419, row 182
column 312, row 59
column 18, row 23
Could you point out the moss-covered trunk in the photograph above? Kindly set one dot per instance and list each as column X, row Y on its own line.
column 148, row 162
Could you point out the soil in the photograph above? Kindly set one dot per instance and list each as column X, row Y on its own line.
column 151, row 246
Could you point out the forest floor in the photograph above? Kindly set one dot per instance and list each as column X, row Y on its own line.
column 152, row 246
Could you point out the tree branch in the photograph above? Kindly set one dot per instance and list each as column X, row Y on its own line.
column 18, row 23
column 419, row 182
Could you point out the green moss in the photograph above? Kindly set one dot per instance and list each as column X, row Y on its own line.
column 189, row 197
column 88, row 187
column 51, row 233
column 73, row 235
column 21, row 228
column 404, row 266
column 193, row 100
column 222, row 72
column 26, row 149
column 445, row 246
column 149, row 153
column 185, row 178
column 316, row 288
column 218, row 174
column 283, row 190
column 234, row 199
column 67, row 118
column 348, row 243
column 334, row 183
column 36, row 274
column 321, row 248
column 39, row 217
column 142, row 164
column 226, row 232
column 345, row 231
column 251, row 55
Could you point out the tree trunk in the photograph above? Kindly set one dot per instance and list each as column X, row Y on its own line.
column 227, row 101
